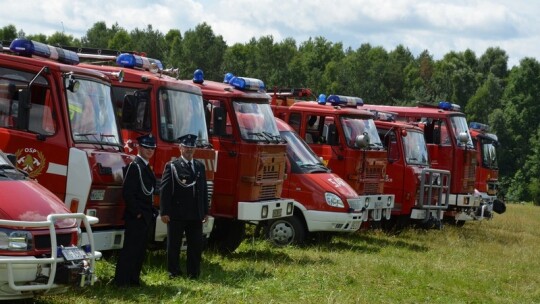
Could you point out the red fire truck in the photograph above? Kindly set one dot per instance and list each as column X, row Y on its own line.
column 58, row 119
column 325, row 203
column 487, row 170
column 148, row 101
column 40, row 248
column 347, row 140
column 251, row 157
column 450, row 148
column 422, row 193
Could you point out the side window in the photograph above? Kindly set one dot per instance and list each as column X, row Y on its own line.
column 41, row 113
column 39, row 117
column 295, row 121
column 314, row 129
column 220, row 119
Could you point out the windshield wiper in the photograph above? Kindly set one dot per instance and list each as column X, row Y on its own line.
column 260, row 134
column 276, row 138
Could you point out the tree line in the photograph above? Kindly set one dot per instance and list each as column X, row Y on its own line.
column 508, row 100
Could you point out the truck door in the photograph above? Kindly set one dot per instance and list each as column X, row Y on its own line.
column 30, row 128
column 225, row 142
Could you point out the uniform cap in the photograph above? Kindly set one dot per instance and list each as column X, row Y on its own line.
column 147, row 141
column 188, row 140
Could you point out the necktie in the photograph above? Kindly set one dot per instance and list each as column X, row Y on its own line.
column 190, row 165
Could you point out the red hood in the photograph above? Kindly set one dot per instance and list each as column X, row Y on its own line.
column 25, row 200
column 330, row 182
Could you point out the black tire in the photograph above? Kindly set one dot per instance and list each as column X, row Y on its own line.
column 286, row 231
column 227, row 235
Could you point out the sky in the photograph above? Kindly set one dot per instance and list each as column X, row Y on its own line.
column 439, row 26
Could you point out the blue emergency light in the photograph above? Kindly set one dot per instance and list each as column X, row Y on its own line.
column 445, row 105
column 28, row 47
column 228, row 77
column 128, row 60
column 248, row 84
column 339, row 100
column 479, row 126
column 198, row 76
column 321, row 99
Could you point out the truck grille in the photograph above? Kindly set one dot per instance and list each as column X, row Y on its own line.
column 268, row 192
column 44, row 241
column 268, row 172
column 372, row 180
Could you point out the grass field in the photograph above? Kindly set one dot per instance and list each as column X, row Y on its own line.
column 495, row 261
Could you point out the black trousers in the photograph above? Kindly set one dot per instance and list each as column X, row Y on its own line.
column 132, row 254
column 194, row 240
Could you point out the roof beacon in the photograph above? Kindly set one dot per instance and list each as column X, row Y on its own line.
column 27, row 47
column 129, row 60
column 198, row 76
column 244, row 83
column 445, row 105
column 348, row 101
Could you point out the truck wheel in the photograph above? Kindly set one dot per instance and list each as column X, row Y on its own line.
column 226, row 235
column 286, row 231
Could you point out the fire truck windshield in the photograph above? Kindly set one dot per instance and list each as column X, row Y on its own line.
column 489, row 154
column 415, row 149
column 256, row 122
column 302, row 158
column 91, row 112
column 356, row 126
column 182, row 113
column 459, row 123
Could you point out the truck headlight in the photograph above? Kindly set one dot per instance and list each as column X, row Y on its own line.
column 333, row 200
column 15, row 240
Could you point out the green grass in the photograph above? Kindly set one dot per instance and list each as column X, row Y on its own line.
column 493, row 261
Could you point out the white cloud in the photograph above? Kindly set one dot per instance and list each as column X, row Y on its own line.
column 439, row 26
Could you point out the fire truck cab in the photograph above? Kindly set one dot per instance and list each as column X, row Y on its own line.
column 450, row 148
column 58, row 120
column 148, row 101
column 422, row 193
column 325, row 203
column 346, row 138
column 487, row 170
column 40, row 245
column 251, row 157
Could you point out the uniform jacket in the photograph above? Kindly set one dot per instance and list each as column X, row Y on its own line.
column 137, row 201
column 182, row 188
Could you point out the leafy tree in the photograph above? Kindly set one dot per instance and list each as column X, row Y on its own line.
column 149, row 41
column 485, row 100
column 8, row 32
column 520, row 127
column 99, row 36
column 120, row 41
column 202, row 49
column 398, row 60
column 38, row 37
column 494, row 61
column 61, row 39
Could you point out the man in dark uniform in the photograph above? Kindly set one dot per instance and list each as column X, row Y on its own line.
column 184, row 207
column 138, row 190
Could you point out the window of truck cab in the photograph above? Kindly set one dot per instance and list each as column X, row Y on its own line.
column 353, row 126
column 181, row 113
column 39, row 116
column 91, row 112
column 255, row 121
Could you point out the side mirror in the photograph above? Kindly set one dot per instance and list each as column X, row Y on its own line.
column 362, row 141
column 463, row 137
column 331, row 135
column 129, row 112
column 73, row 84
column 219, row 121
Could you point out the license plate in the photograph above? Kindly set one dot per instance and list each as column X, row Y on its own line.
column 73, row 253
column 276, row 213
column 97, row 195
column 378, row 205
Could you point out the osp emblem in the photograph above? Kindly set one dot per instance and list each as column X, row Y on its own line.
column 31, row 161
